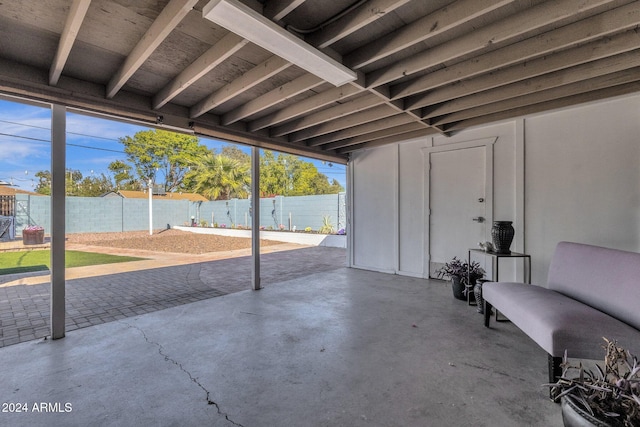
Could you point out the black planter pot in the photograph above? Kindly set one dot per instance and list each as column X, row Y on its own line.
column 574, row 416
column 459, row 291
column 502, row 234
column 457, row 286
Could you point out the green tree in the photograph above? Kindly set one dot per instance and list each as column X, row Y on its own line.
column 124, row 179
column 94, row 186
column 233, row 152
column 76, row 184
column 165, row 156
column 44, row 183
column 288, row 175
column 221, row 178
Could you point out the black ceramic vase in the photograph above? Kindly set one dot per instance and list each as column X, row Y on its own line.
column 502, row 234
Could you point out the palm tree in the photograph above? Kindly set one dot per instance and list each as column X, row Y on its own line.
column 221, row 178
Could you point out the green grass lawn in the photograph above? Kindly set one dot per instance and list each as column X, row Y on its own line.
column 25, row 261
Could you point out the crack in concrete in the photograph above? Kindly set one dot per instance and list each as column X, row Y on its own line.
column 167, row 358
column 489, row 369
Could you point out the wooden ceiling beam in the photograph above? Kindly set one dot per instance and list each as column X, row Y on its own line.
column 367, row 128
column 388, row 140
column 219, row 52
column 616, row 20
column 547, row 106
column 548, row 81
column 598, row 49
column 352, row 22
column 383, row 132
column 251, row 78
column 276, row 10
column 499, row 33
column 77, row 12
column 370, row 115
column 436, row 23
column 281, row 93
column 350, row 107
column 166, row 22
column 304, row 106
column 597, row 83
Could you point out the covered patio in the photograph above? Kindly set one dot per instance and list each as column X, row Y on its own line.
column 531, row 106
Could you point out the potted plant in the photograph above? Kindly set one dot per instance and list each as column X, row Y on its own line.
column 33, row 235
column 462, row 274
column 601, row 397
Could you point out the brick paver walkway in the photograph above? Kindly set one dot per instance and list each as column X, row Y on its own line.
column 110, row 295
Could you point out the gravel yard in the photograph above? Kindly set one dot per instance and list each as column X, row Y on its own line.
column 166, row 241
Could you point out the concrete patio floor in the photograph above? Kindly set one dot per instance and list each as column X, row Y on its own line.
column 338, row 348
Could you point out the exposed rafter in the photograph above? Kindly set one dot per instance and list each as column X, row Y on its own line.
column 277, row 95
column 306, row 106
column 75, row 18
column 166, row 22
column 351, row 107
column 457, row 13
column 592, row 28
column 276, row 10
column 548, row 81
column 620, row 78
column 599, row 49
column 248, row 80
column 352, row 22
column 363, row 129
column 499, row 33
column 213, row 57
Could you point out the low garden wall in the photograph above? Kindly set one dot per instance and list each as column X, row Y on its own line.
column 302, row 238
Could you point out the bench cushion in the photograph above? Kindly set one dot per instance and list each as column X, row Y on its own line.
column 557, row 322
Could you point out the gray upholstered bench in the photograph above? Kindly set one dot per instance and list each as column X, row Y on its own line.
column 592, row 292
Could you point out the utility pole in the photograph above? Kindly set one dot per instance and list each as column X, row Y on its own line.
column 150, row 188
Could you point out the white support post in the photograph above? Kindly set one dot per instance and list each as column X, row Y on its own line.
column 255, row 217
column 58, row 166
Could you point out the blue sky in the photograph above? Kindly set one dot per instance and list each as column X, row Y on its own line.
column 92, row 143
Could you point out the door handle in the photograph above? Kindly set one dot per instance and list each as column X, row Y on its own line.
column 478, row 219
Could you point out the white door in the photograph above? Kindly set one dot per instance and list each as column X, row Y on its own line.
column 457, row 201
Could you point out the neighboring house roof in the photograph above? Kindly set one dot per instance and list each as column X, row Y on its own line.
column 12, row 191
column 192, row 197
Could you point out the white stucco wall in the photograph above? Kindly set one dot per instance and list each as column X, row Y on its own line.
column 375, row 206
column 571, row 174
column 583, row 178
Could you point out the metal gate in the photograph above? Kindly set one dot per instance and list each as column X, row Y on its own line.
column 7, row 217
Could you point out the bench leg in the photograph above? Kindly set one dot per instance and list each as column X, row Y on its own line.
column 555, row 372
column 487, row 313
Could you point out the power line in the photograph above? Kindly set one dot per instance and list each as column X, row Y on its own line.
column 70, row 133
column 96, row 148
column 68, row 144
column 25, row 137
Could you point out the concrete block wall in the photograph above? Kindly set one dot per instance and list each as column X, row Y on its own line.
column 114, row 214
column 304, row 211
